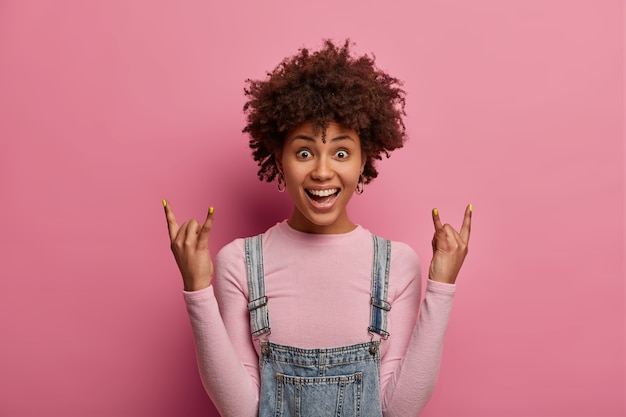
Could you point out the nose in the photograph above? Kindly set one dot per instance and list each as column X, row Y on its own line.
column 323, row 169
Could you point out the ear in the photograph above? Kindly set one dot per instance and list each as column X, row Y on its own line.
column 278, row 157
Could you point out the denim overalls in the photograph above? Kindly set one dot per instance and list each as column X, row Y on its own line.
column 340, row 381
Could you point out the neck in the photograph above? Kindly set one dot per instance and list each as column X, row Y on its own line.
column 339, row 225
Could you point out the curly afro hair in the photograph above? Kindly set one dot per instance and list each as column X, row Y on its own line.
column 321, row 87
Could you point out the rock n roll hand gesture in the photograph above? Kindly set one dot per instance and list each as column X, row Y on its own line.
column 190, row 245
column 449, row 248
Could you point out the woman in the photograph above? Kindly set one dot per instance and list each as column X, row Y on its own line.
column 317, row 316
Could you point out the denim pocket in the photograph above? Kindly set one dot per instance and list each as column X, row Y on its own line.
column 336, row 396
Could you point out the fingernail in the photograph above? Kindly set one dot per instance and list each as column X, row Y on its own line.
column 164, row 203
column 471, row 207
column 436, row 212
column 210, row 210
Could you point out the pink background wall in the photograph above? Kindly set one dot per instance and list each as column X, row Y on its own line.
column 108, row 107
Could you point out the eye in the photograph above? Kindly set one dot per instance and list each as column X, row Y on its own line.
column 341, row 154
column 303, row 154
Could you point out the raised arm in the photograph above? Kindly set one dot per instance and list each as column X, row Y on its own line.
column 411, row 385
column 231, row 387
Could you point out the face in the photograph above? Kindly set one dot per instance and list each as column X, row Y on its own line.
column 321, row 177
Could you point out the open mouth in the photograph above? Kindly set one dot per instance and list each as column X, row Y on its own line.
column 323, row 198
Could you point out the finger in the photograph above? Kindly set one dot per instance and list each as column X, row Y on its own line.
column 172, row 226
column 437, row 220
column 449, row 238
column 203, row 236
column 191, row 233
column 180, row 237
column 467, row 223
column 460, row 242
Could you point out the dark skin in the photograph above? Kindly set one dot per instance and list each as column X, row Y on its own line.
column 190, row 245
column 449, row 248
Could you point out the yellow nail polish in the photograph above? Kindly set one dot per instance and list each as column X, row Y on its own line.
column 210, row 210
column 471, row 207
column 436, row 212
column 164, row 203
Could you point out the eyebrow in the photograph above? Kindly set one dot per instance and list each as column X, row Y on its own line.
column 312, row 139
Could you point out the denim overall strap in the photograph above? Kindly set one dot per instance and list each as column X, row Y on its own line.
column 257, row 301
column 380, row 284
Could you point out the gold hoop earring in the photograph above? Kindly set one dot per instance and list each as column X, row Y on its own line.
column 281, row 183
column 360, row 187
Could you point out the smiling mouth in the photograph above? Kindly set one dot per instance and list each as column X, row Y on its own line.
column 323, row 198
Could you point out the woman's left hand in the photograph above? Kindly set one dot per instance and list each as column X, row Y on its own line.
column 449, row 248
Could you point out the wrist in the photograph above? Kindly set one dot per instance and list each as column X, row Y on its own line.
column 196, row 284
column 192, row 288
column 443, row 280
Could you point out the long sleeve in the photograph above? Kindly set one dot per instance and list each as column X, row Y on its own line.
column 413, row 380
column 232, row 386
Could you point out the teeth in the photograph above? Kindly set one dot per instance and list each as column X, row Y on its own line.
column 323, row 193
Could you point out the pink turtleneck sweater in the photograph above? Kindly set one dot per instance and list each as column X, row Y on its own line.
column 318, row 288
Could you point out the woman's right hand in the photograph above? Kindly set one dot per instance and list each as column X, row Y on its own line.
column 190, row 245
